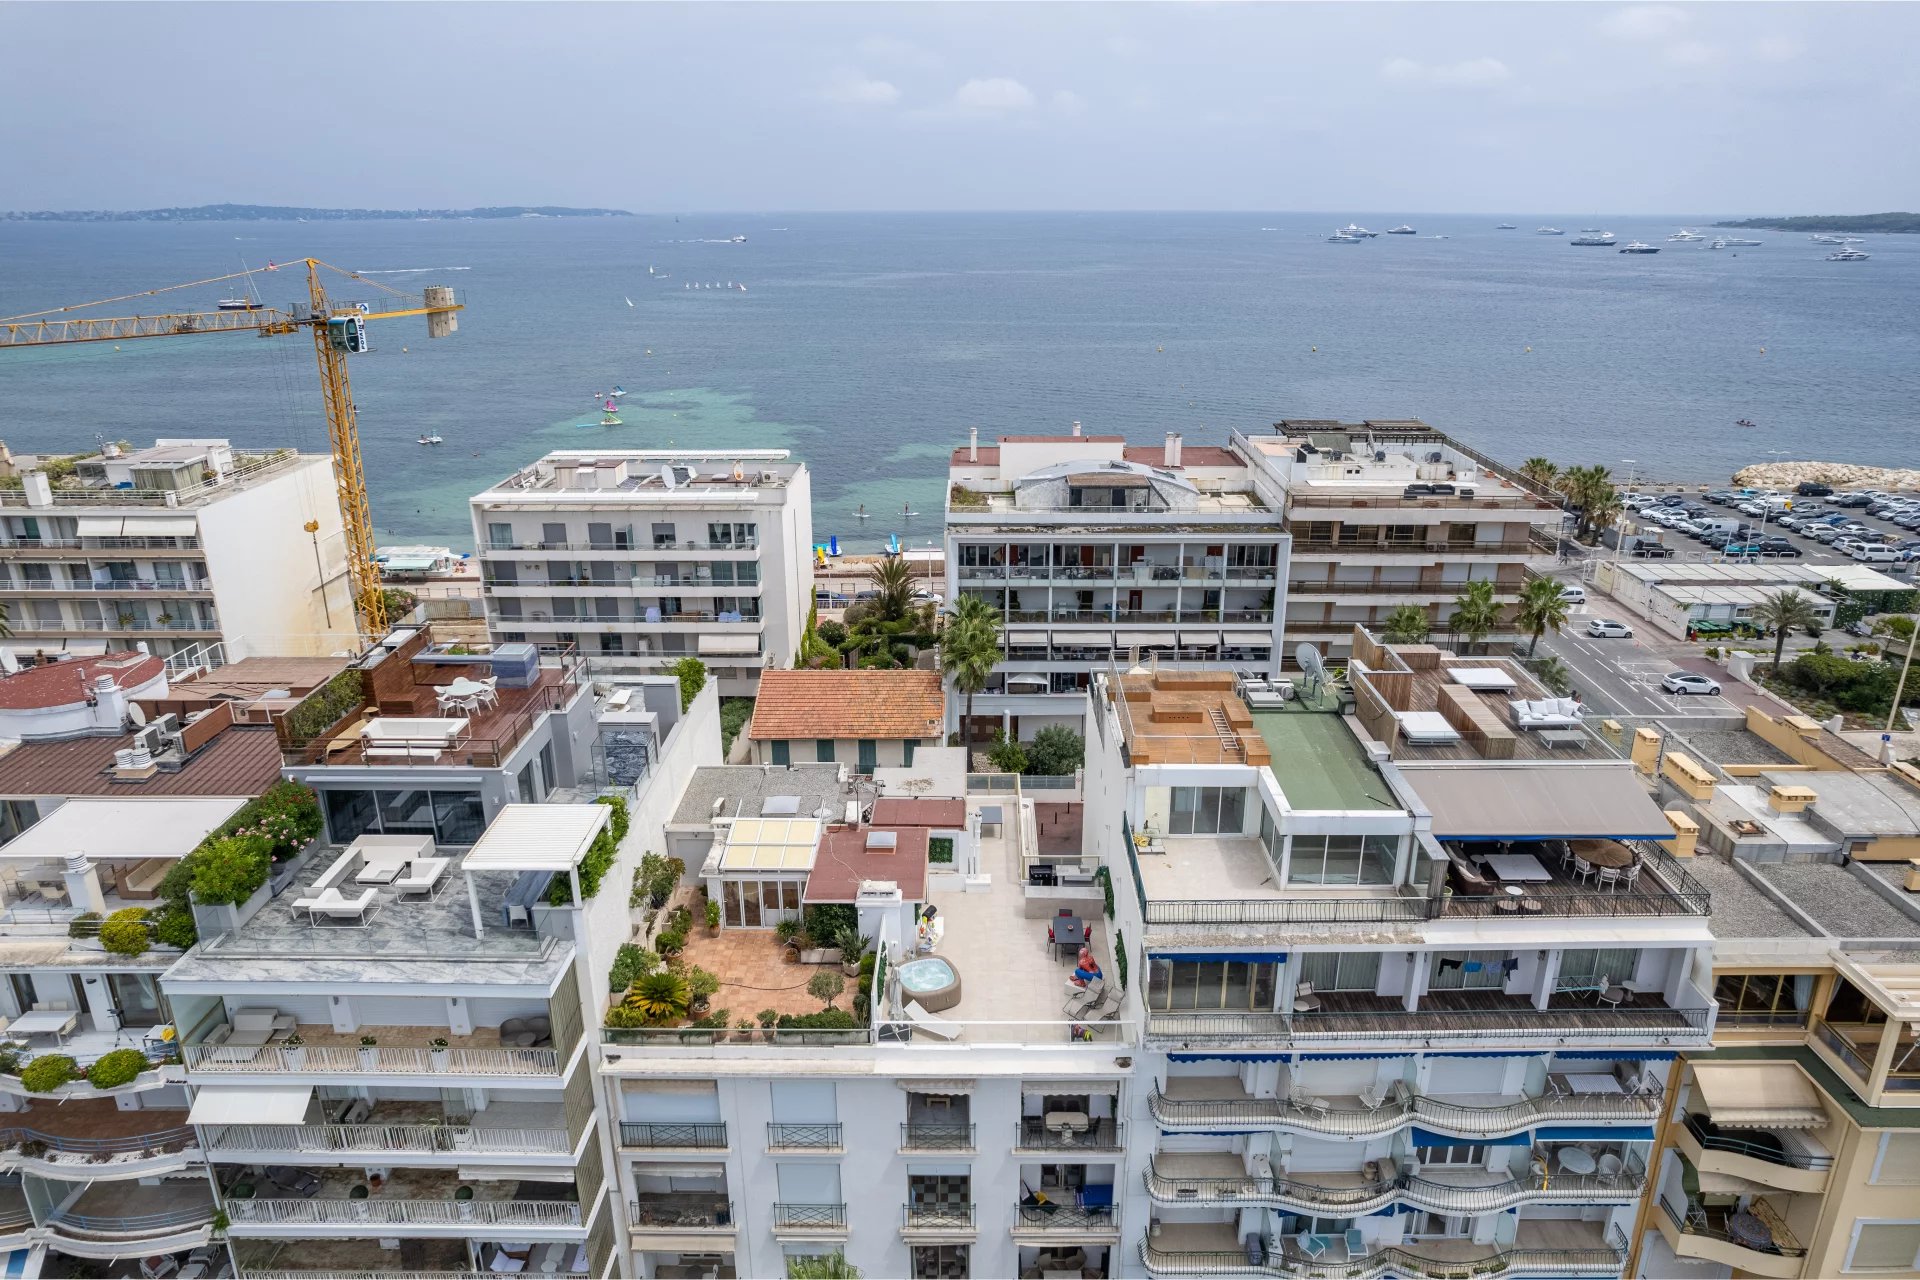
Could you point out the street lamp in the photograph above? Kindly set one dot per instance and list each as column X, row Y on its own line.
column 1620, row 533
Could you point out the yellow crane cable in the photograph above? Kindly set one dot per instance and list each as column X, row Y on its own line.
column 195, row 284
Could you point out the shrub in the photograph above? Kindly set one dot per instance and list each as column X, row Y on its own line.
column 767, row 1017
column 734, row 714
column 10, row 1060
column 692, row 674
column 940, row 850
column 1120, row 957
column 84, row 925
column 834, row 633
column 713, row 914
column 599, row 859
column 826, row 986
column 111, row 1070
column 1007, row 754
column 828, row 920
column 176, row 928
column 45, row 1074
column 325, row 706
column 1056, row 752
column 230, row 869
column 658, row 876
column 630, row 964
column 867, row 962
column 829, row 1019
column 660, row 996
column 621, row 1016
column 286, row 816
column 125, row 932
column 701, row 984
column 670, row 943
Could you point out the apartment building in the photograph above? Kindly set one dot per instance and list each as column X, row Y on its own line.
column 962, row 1122
column 1391, row 1025
column 1390, row 513
column 191, row 547
column 642, row 557
column 1089, row 547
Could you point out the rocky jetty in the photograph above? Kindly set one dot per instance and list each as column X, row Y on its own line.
column 1841, row 475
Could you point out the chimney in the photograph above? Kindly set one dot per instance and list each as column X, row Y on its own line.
column 1179, row 442
column 38, row 488
column 110, row 704
column 1076, row 426
column 973, row 444
column 1171, row 455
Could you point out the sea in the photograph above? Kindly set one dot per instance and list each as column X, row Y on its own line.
column 870, row 343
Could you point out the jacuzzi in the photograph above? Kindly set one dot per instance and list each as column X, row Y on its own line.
column 931, row 982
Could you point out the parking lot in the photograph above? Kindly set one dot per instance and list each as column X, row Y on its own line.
column 1621, row 675
column 1768, row 526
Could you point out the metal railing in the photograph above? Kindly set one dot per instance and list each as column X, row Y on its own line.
column 223, row 1059
column 1789, row 1018
column 680, row 1211
column 1711, row 1139
column 122, row 586
column 1691, row 1218
column 936, row 1217
column 1302, row 910
column 1103, row 1134
column 409, row 1139
column 114, row 543
column 809, row 1217
column 256, row 466
column 179, row 1136
column 1394, row 1260
column 1065, row 1217
column 1690, row 1025
column 654, row 1134
column 1316, row 546
column 803, row 1137
column 921, row 1136
column 505, row 1213
column 133, row 1224
column 702, row 1037
column 643, row 548
column 32, row 626
column 1451, row 1117
column 1448, row 589
column 1355, row 1198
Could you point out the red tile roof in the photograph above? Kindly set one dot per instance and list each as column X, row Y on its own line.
column 237, row 762
column 1191, row 455
column 60, row 684
column 843, row 861
column 989, row 457
column 1058, row 439
column 901, row 811
column 848, row 704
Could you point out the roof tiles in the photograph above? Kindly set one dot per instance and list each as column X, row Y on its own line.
column 848, row 704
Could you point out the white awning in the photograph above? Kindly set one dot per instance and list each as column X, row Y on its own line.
column 1193, row 639
column 138, row 526
column 1145, row 639
column 1055, row 1088
column 1021, row 635
column 79, row 648
column 730, row 644
column 1250, row 637
column 100, row 526
column 1027, row 679
column 1759, row 1095
column 536, row 837
column 236, row 1104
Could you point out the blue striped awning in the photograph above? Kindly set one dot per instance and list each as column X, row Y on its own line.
column 1494, row 1053
column 1227, row 1057
column 1613, row 1055
column 1428, row 1138
column 1595, row 1133
column 1352, row 1057
column 1245, row 957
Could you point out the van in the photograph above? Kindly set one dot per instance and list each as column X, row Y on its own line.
column 1876, row 555
column 1715, row 524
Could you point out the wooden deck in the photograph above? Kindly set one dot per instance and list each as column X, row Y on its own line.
column 492, row 732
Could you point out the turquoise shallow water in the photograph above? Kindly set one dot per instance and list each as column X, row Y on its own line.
column 871, row 343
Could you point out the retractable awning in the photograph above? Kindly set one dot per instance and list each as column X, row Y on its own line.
column 730, row 644
column 1759, row 1095
column 1196, row 639
column 137, row 526
column 1022, row 635
column 1499, row 802
column 232, row 1104
column 1428, row 1138
column 1249, row 638
column 1145, row 639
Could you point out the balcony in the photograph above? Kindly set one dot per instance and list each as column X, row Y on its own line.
column 1457, row 550
column 1208, row 1249
column 88, row 1139
column 654, row 1136
column 162, row 545
column 327, row 1052
column 1754, row 1242
column 1180, row 1179
column 922, row 1135
column 441, row 1141
column 1753, row 1154
column 1204, row 1103
column 944, row 1219
column 1434, row 590
column 804, row 1137
column 1102, row 1135
column 1053, row 1221
column 809, row 1221
column 118, row 586
column 681, row 1211
column 391, row 1215
column 640, row 551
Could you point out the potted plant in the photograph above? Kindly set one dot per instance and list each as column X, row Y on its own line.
column 852, row 947
column 713, row 916
column 437, row 1053
column 703, row 986
column 787, row 935
column 766, row 1019
column 293, row 1050
column 369, row 1054
column 463, row 1201
column 164, row 618
column 743, row 1031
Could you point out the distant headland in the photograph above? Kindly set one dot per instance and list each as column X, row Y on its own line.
column 289, row 213
column 1899, row 222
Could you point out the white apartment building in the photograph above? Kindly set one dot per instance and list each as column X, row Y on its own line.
column 1363, row 1052
column 1390, row 513
column 642, row 557
column 1090, row 547
column 184, row 546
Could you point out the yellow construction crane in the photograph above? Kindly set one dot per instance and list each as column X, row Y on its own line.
column 339, row 329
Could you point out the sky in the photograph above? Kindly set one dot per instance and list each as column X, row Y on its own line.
column 1639, row 108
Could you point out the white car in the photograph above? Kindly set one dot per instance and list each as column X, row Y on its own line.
column 1604, row 628
column 1573, row 593
column 1688, row 682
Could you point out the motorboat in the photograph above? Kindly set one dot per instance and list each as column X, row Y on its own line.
column 1683, row 235
column 239, row 304
column 1358, row 232
column 1548, row 231
column 1821, row 237
column 1847, row 253
column 1733, row 242
column 429, row 440
column 1593, row 238
column 1505, row 226
column 737, row 240
column 1639, row 246
column 1341, row 237
column 1402, row 230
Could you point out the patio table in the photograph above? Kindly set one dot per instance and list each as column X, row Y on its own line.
column 53, row 1022
column 1603, row 853
column 1517, row 866
column 1069, row 931
column 1748, row 1230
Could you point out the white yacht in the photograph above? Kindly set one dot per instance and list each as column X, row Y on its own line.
column 1847, row 253
column 1734, row 242
column 1358, row 232
column 1506, row 226
column 1548, row 231
column 1341, row 237
column 1402, row 230
column 1683, row 236
column 1821, row 237
column 1639, row 246
column 1591, row 237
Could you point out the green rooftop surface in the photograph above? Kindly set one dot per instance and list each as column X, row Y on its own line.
column 1319, row 762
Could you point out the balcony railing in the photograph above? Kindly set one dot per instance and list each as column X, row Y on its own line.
column 706, row 1136
column 1692, row 1220
column 702, row 1037
column 1347, row 1199
column 177, row 1137
column 378, row 1139
column 1784, row 1018
column 920, row 1136
column 803, row 1137
column 1434, row 1113
column 681, row 1211
column 936, row 1217
column 133, row 1224
column 122, row 586
column 1395, row 1260
column 1518, row 547
column 643, row 549
column 345, row 1060
column 1447, row 590
column 90, row 543
column 1713, row 1139
column 1583, row 1024
column 376, row 1211
column 810, row 1217
column 1835, row 1040
column 1065, row 1217
column 1104, row 1134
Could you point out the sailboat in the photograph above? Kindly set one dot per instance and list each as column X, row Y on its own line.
column 629, row 300
column 610, row 418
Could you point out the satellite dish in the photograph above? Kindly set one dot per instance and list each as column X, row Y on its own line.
column 8, row 663
column 137, row 714
column 1308, row 659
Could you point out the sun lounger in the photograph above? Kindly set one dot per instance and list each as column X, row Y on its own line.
column 335, row 905
column 1085, row 998
column 924, row 1021
column 424, row 875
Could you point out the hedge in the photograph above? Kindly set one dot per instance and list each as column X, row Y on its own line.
column 325, row 706
column 45, row 1074
column 600, row 857
column 114, row 1069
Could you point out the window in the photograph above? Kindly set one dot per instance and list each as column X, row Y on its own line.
column 1462, row 1154
column 1884, row 1246
column 1589, row 967
column 733, row 535
column 663, row 535
column 1342, row 971
column 940, row 1262
column 1342, row 859
column 350, row 815
column 759, row 904
column 869, row 756
column 1763, row 999
column 906, row 753
column 1201, row 811
column 1467, row 970
column 823, row 750
column 458, row 817
column 781, row 754
column 1898, row 1163
column 1211, row 984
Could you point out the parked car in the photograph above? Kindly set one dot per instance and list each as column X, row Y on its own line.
column 1851, row 499
column 1847, row 544
column 1603, row 628
column 1635, row 501
column 1672, row 500
column 1652, row 551
column 1573, row 593
column 1688, row 682
column 1826, row 535
column 1786, row 551
column 1875, row 555
column 1812, row 489
column 1719, row 497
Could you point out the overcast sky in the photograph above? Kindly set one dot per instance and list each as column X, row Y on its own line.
column 1783, row 108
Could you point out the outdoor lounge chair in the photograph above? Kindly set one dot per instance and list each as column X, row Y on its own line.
column 1313, row 1246
column 1356, row 1243
column 293, row 1181
column 424, row 876
column 1085, row 998
column 335, row 905
column 933, row 1026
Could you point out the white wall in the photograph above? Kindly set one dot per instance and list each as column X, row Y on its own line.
column 260, row 559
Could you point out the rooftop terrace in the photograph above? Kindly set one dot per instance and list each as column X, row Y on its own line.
column 632, row 474
column 172, row 474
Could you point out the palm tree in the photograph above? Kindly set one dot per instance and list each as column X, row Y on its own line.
column 1475, row 612
column 1541, row 471
column 1407, row 624
column 892, row 580
column 1783, row 611
column 1588, row 489
column 969, row 649
column 1605, row 511
column 821, row 1266
column 1543, row 607
column 1552, row 673
column 5, row 630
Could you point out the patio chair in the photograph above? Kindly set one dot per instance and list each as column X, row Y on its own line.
column 1313, row 1246
column 1085, row 998
column 1610, row 992
column 1356, row 1243
column 293, row 1181
column 1608, row 878
column 1304, row 1001
column 933, row 1026
column 1630, row 876
column 1582, row 869
column 1373, row 1097
column 1609, row 1165
column 1309, row 1103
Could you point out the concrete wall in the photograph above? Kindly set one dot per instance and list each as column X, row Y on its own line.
column 890, row 753
column 267, row 586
